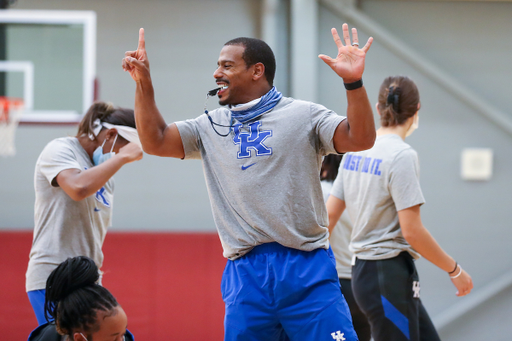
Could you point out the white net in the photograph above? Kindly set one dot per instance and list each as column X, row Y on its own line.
column 11, row 110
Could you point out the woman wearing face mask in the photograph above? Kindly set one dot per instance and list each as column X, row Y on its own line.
column 381, row 191
column 74, row 193
column 80, row 308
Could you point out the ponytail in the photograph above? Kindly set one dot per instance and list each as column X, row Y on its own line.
column 73, row 296
column 105, row 112
column 398, row 100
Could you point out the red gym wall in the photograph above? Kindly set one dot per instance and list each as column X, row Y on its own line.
column 168, row 284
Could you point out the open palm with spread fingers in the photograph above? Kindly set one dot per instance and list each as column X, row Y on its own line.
column 349, row 64
column 136, row 62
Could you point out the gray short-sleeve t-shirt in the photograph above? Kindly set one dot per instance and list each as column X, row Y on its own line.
column 263, row 178
column 340, row 238
column 63, row 227
column 375, row 184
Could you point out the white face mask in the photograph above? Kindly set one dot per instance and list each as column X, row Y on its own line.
column 414, row 125
column 98, row 157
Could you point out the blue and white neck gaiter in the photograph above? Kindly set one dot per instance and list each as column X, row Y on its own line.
column 249, row 111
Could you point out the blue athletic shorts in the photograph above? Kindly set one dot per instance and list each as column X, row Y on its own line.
column 278, row 293
column 36, row 298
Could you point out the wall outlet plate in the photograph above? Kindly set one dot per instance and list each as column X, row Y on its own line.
column 476, row 164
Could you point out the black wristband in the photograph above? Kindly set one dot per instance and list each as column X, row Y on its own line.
column 456, row 265
column 355, row 85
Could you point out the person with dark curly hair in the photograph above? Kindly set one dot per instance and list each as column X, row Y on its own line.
column 80, row 308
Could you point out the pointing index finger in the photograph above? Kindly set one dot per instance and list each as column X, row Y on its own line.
column 142, row 42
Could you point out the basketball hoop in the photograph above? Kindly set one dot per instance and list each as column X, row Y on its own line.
column 11, row 110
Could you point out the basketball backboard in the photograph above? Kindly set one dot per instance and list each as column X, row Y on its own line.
column 50, row 62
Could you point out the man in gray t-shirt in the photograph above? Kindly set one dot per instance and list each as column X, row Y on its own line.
column 249, row 206
column 261, row 157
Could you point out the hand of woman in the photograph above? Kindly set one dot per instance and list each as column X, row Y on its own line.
column 131, row 152
column 462, row 282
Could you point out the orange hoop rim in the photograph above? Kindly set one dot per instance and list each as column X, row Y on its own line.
column 7, row 104
column 14, row 101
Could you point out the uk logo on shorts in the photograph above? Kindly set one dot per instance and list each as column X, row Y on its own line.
column 416, row 289
column 338, row 336
column 251, row 140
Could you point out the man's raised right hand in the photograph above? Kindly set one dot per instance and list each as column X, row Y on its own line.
column 136, row 62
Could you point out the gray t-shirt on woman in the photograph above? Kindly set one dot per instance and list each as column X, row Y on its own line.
column 64, row 227
column 340, row 238
column 263, row 178
column 375, row 184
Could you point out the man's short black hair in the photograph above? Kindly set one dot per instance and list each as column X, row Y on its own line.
column 257, row 51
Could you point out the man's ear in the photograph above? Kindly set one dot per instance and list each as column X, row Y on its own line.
column 258, row 71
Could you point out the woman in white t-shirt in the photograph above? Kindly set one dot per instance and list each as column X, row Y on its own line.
column 74, row 192
column 380, row 189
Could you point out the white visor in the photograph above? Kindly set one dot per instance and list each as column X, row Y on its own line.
column 128, row 133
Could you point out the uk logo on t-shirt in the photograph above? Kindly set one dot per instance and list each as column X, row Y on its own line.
column 251, row 140
column 100, row 196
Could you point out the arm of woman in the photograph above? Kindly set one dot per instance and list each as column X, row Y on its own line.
column 80, row 184
column 422, row 241
column 335, row 208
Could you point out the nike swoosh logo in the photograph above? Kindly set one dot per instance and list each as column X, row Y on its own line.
column 96, row 209
column 245, row 167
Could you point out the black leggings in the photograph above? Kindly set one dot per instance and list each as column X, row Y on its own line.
column 387, row 291
column 359, row 320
